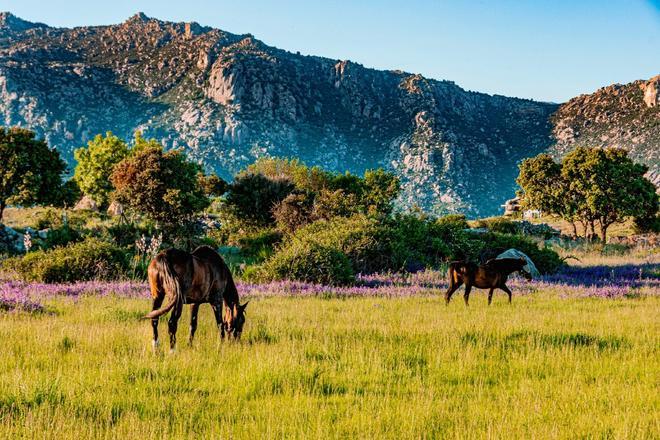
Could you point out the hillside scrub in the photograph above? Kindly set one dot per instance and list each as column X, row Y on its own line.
column 91, row 259
column 400, row 243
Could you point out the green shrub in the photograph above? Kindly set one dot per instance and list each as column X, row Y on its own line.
column 87, row 260
column 57, row 218
column 502, row 225
column 646, row 224
column 453, row 221
column 420, row 242
column 310, row 262
column 370, row 245
column 125, row 234
column 259, row 244
column 61, row 236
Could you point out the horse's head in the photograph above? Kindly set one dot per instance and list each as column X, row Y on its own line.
column 235, row 319
column 524, row 269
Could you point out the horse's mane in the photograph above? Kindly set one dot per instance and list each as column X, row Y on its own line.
column 209, row 254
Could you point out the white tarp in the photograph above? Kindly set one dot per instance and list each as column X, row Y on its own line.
column 515, row 253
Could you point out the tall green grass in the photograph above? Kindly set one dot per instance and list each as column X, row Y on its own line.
column 359, row 368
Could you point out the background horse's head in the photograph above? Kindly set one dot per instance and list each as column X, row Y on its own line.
column 234, row 319
column 524, row 269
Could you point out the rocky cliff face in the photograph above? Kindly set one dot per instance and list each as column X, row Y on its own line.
column 626, row 116
column 229, row 99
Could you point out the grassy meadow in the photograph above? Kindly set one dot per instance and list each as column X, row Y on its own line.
column 548, row 366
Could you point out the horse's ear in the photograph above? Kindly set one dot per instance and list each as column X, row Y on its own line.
column 242, row 307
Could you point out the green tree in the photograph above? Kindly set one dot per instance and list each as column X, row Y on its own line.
column 252, row 198
column 95, row 163
column 615, row 187
column 380, row 190
column 543, row 187
column 163, row 186
column 308, row 179
column 591, row 185
column 31, row 172
column 213, row 185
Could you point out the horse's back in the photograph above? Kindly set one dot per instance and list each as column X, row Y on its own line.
column 210, row 255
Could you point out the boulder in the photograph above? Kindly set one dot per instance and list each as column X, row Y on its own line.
column 11, row 240
column 115, row 209
column 515, row 253
column 86, row 203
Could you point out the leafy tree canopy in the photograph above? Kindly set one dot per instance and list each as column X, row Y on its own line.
column 292, row 194
column 164, row 186
column 31, row 172
column 590, row 185
column 95, row 163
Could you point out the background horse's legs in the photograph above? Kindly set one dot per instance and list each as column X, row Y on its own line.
column 173, row 322
column 506, row 289
column 466, row 295
column 154, row 322
column 451, row 291
column 490, row 295
column 193, row 322
column 217, row 311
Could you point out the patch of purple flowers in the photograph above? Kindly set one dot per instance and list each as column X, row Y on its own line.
column 573, row 281
column 19, row 295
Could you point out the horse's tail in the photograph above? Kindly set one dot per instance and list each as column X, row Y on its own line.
column 454, row 267
column 163, row 270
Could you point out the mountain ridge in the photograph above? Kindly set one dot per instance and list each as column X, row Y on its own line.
column 229, row 99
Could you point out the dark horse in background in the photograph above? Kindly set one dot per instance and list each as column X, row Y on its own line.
column 197, row 278
column 492, row 275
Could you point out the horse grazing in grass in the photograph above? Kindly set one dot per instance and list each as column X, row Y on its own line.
column 492, row 275
column 197, row 278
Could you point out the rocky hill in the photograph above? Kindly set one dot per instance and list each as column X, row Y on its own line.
column 626, row 116
column 229, row 99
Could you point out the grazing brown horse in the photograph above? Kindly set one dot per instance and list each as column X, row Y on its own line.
column 492, row 275
column 197, row 278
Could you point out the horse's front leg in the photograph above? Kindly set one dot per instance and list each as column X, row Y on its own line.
column 506, row 289
column 466, row 295
column 154, row 322
column 451, row 291
column 217, row 311
column 490, row 295
column 173, row 323
column 193, row 322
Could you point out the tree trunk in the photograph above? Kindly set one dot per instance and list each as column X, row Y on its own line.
column 3, row 205
column 603, row 232
column 592, row 230
column 575, row 233
column 584, row 227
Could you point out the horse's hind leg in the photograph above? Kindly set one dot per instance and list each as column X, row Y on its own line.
column 451, row 290
column 508, row 292
column 466, row 295
column 154, row 322
column 490, row 295
column 173, row 323
column 217, row 311
column 193, row 322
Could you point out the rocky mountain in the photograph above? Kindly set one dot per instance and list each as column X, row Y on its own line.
column 229, row 99
column 625, row 116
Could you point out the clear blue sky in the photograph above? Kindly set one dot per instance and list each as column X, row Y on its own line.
column 547, row 50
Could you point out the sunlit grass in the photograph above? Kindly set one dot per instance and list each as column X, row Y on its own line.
column 544, row 367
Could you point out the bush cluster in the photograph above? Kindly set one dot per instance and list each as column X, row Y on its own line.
column 310, row 262
column 400, row 243
column 91, row 259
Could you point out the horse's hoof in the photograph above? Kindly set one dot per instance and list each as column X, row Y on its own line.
column 155, row 345
column 172, row 351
